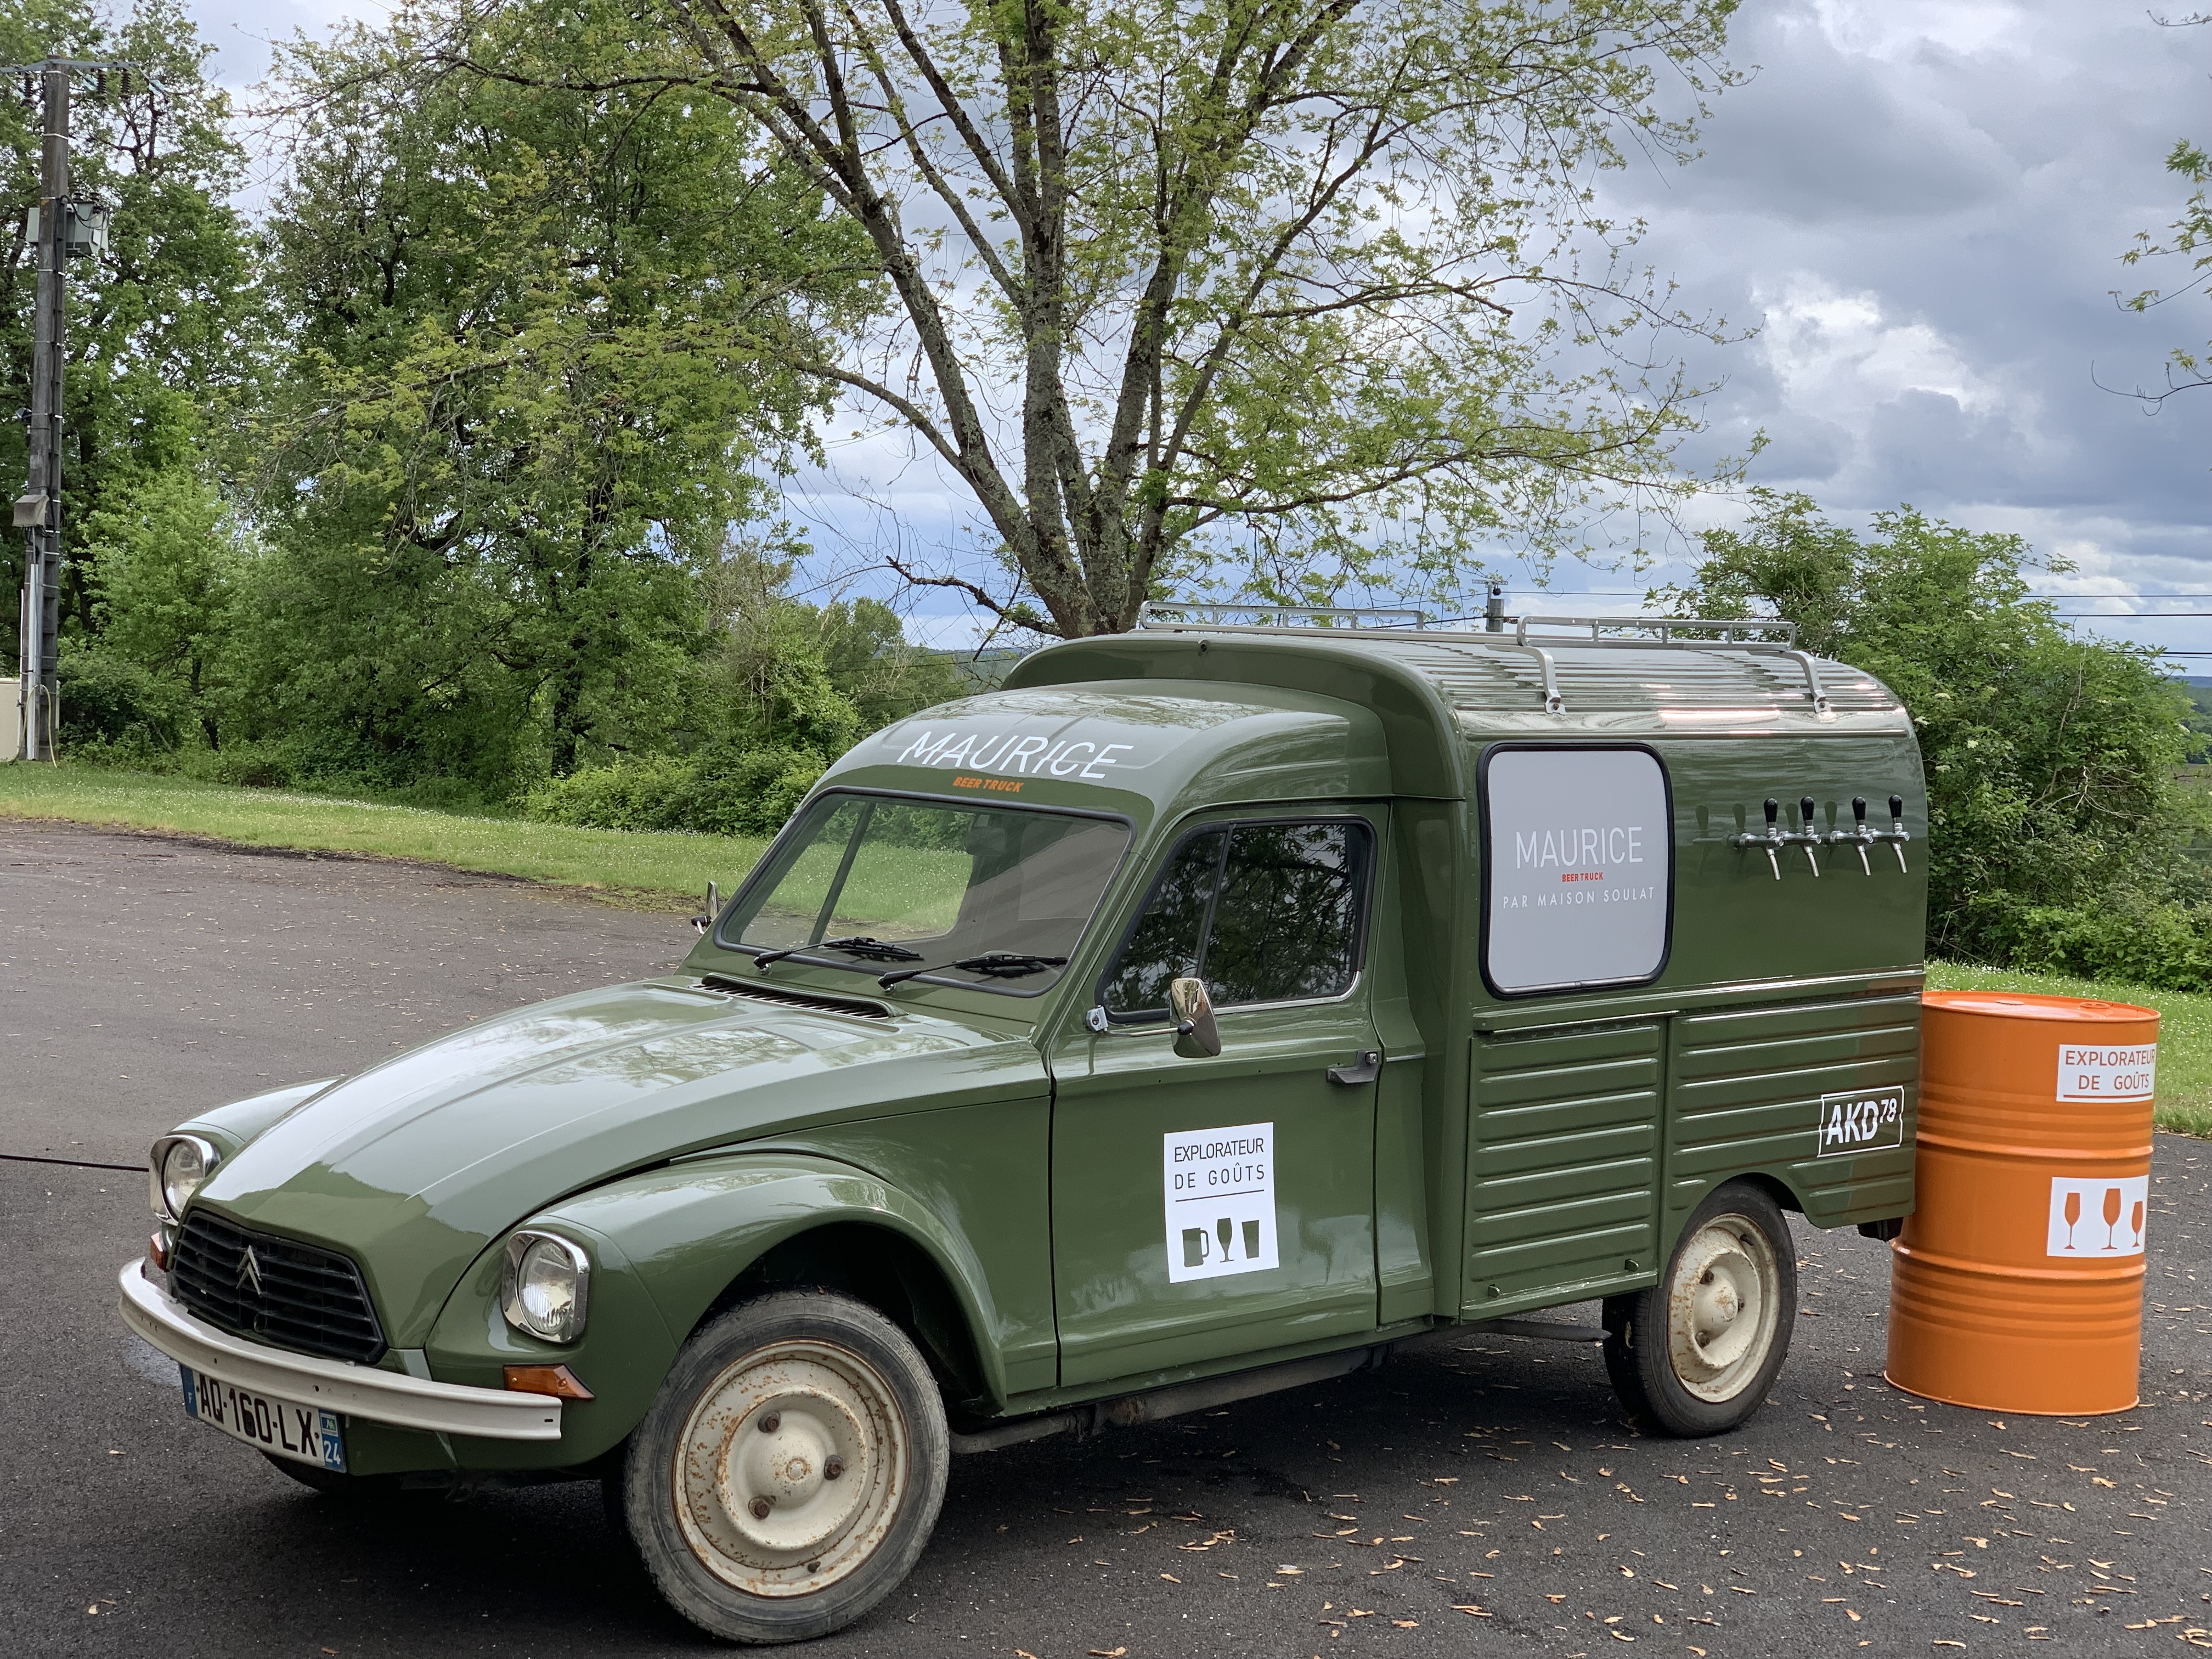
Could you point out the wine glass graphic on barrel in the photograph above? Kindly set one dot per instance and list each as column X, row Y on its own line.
column 2111, row 1216
column 2135, row 1222
column 2073, row 1212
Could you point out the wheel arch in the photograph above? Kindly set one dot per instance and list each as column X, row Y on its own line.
column 705, row 1234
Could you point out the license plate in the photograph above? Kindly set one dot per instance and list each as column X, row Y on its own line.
column 305, row 1434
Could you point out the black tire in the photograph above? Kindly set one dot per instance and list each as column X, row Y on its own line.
column 725, row 1490
column 1695, row 1354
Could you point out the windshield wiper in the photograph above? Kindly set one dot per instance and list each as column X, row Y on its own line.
column 860, row 945
column 999, row 964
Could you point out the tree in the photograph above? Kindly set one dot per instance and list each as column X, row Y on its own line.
column 162, row 328
column 1287, row 295
column 528, row 374
column 2055, row 830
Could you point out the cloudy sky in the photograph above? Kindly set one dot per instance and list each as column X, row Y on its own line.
column 1920, row 208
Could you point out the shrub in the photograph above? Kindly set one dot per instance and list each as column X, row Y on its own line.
column 743, row 793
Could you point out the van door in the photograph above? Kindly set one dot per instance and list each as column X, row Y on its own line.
column 1218, row 1206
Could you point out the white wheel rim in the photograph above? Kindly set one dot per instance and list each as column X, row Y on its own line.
column 791, row 1468
column 1723, row 1308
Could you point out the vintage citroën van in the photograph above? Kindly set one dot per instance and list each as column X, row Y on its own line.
column 1203, row 1012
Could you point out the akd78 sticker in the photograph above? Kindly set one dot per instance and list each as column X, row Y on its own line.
column 1861, row 1120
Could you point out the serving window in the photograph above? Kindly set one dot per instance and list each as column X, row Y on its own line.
column 1577, row 868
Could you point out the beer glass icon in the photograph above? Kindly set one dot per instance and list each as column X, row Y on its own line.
column 1193, row 1247
column 1252, row 1238
column 2135, row 1222
column 1227, row 1226
column 2073, row 1214
column 2111, row 1207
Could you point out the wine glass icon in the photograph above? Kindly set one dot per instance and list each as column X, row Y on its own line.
column 2111, row 1216
column 1228, row 1228
column 2135, row 1221
column 2073, row 1210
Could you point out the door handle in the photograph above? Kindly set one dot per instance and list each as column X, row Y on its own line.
column 1365, row 1069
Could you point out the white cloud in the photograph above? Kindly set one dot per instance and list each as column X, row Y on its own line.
column 1838, row 354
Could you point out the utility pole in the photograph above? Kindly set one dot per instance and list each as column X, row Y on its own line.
column 65, row 229
column 40, row 510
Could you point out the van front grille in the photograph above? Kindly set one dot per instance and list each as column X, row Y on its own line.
column 288, row 1294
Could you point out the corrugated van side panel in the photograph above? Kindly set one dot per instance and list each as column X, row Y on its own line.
column 1746, row 1091
column 1563, row 1166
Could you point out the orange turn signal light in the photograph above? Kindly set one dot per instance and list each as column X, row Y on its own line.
column 556, row 1380
column 157, row 1251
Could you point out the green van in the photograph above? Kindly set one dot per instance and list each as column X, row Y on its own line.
column 1210, row 1008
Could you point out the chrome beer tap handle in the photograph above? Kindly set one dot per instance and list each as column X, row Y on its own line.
column 1896, row 835
column 1858, row 835
column 1767, row 843
column 1807, row 837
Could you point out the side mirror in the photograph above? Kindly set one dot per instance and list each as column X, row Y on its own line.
column 1197, row 1034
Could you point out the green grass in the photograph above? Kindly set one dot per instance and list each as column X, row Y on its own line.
column 655, row 869
column 2184, row 1032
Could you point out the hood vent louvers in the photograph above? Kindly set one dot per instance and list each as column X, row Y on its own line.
column 790, row 997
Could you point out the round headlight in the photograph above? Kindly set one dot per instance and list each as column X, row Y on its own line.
column 182, row 1165
column 545, row 1286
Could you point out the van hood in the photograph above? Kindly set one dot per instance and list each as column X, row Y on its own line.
column 413, row 1167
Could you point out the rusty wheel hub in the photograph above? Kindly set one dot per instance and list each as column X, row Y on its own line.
column 793, row 1464
column 1723, row 1308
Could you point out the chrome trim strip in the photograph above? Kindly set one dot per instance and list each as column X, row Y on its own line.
column 363, row 1391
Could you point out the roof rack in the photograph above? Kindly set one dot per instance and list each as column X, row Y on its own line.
column 1155, row 613
column 1768, row 636
column 1772, row 633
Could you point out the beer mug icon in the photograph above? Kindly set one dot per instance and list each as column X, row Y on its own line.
column 1193, row 1247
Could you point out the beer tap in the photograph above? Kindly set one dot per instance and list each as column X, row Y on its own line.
column 1896, row 835
column 1858, row 835
column 1768, row 842
column 1805, row 836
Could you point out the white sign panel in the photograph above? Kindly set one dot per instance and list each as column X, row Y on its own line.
column 1861, row 1121
column 1581, row 859
column 2098, row 1218
column 1220, row 1191
column 2088, row 1072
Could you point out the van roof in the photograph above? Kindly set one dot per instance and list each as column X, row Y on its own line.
column 1440, row 693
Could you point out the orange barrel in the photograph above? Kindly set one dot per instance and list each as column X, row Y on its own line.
column 2017, row 1285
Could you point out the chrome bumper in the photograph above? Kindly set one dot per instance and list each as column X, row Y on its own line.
column 361, row 1391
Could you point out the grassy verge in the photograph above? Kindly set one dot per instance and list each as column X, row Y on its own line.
column 664, row 871
column 2184, row 1032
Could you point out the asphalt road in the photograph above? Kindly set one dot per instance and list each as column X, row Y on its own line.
column 1481, row 1495
column 146, row 978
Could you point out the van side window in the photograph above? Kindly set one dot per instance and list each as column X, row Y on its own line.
column 1260, row 912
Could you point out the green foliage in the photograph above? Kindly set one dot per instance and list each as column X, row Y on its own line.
column 113, row 708
column 165, row 329
column 789, row 688
column 527, row 384
column 2058, row 837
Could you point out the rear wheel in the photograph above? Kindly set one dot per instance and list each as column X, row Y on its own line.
column 788, row 1473
column 1696, row 1353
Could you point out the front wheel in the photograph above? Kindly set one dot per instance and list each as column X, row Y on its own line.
column 1696, row 1353
column 787, row 1476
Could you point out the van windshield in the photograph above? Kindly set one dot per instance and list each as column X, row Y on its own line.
column 991, row 896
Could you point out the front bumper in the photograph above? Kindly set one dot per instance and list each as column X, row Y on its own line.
column 361, row 1391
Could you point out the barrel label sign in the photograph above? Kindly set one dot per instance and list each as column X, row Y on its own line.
column 1861, row 1120
column 2102, row 1216
column 2087, row 1072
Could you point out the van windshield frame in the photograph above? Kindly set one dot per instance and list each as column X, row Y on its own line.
column 897, row 873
